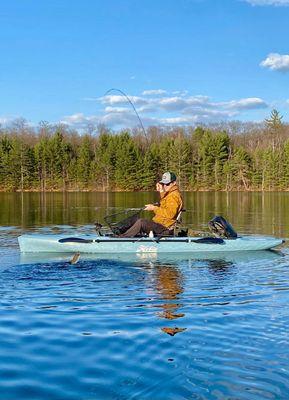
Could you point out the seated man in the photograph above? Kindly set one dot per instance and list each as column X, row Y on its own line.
column 171, row 203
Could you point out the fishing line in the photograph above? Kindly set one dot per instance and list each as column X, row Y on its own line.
column 131, row 103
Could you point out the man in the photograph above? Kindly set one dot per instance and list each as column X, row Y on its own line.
column 171, row 203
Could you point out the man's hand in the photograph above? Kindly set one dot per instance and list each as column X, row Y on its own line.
column 149, row 207
column 159, row 187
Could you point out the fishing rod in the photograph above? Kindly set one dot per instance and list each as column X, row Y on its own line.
column 131, row 103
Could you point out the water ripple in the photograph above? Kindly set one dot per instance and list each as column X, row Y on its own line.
column 180, row 328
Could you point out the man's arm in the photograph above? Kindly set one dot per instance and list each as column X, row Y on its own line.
column 160, row 189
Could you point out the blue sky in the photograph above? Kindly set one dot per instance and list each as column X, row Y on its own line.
column 181, row 62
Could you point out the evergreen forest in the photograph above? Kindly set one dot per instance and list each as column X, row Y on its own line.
column 224, row 156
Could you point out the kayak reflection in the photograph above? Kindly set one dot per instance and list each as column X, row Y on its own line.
column 147, row 258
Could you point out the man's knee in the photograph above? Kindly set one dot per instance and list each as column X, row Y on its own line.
column 139, row 223
column 142, row 222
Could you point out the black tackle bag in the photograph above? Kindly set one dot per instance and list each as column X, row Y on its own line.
column 222, row 228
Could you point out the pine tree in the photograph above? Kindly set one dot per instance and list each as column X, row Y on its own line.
column 56, row 151
column 128, row 164
column 150, row 170
column 41, row 156
column 274, row 126
column 206, row 153
column 221, row 154
column 180, row 161
column 241, row 164
column 275, row 120
column 285, row 169
column 84, row 162
column 104, row 163
column 5, row 162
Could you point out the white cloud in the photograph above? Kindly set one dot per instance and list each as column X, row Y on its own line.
column 205, row 113
column 276, row 62
column 177, row 103
column 79, row 120
column 180, row 92
column 6, row 120
column 110, row 109
column 116, row 111
column 197, row 117
column 117, row 118
column 3, row 120
column 153, row 92
column 179, row 120
column 172, row 103
column 246, row 104
column 119, row 99
column 148, row 108
column 126, row 120
column 268, row 2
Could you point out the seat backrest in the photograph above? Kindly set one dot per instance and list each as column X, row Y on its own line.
column 179, row 216
column 178, row 220
column 175, row 226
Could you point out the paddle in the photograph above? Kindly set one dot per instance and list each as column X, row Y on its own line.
column 204, row 240
column 75, row 240
column 209, row 240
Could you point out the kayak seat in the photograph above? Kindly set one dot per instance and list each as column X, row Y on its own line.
column 176, row 229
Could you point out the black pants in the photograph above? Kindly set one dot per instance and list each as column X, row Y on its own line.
column 142, row 226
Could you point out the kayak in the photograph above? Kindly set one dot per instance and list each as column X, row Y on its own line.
column 39, row 243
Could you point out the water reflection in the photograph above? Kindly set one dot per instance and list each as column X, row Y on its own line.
column 217, row 261
column 264, row 213
column 102, row 312
column 169, row 285
column 220, row 269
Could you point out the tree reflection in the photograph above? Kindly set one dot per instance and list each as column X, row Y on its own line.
column 220, row 268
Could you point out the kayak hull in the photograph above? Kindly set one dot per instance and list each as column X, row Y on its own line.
column 92, row 244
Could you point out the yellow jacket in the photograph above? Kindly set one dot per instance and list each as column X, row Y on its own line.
column 171, row 203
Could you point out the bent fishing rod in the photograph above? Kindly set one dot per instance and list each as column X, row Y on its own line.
column 132, row 105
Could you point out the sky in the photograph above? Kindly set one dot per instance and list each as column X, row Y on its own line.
column 180, row 62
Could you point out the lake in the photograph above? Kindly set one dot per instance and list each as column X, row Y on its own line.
column 147, row 327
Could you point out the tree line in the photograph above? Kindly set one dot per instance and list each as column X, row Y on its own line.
column 228, row 156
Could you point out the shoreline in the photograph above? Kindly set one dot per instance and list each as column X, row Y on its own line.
column 144, row 191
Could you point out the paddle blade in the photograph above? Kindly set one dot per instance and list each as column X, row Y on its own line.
column 75, row 240
column 209, row 240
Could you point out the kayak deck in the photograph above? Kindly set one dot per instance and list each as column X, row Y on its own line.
column 37, row 243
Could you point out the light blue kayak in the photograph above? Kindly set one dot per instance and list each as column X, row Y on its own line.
column 94, row 244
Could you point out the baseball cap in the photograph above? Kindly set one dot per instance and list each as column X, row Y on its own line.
column 168, row 177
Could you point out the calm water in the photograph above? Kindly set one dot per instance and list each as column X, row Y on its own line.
column 177, row 327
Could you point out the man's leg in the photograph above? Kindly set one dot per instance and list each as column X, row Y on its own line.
column 142, row 226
